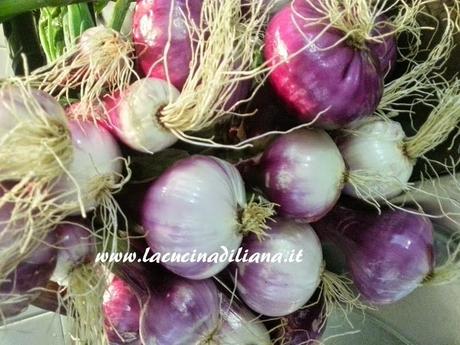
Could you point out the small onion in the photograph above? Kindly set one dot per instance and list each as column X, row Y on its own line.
column 280, row 288
column 95, row 165
column 135, row 114
column 180, row 312
column 122, row 312
column 389, row 255
column 376, row 147
column 303, row 172
column 209, row 195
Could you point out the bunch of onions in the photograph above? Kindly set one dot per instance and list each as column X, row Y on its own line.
column 99, row 63
column 186, row 44
column 214, row 214
column 389, row 255
column 55, row 165
column 279, row 288
column 25, row 282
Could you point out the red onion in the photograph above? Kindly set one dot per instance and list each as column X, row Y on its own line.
column 160, row 24
column 280, row 288
column 96, row 167
column 122, row 312
column 210, row 197
column 303, row 172
column 388, row 255
column 180, row 312
column 317, row 69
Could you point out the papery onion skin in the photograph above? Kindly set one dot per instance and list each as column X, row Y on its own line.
column 180, row 312
column 26, row 280
column 96, row 154
column 303, row 172
column 278, row 289
column 122, row 312
column 194, row 205
column 135, row 114
column 389, row 255
column 240, row 326
column 343, row 81
column 150, row 31
column 376, row 148
column 76, row 246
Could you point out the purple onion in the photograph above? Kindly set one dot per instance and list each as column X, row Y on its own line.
column 23, row 285
column 195, row 206
column 303, row 172
column 304, row 326
column 180, row 312
column 389, row 255
column 150, row 29
column 344, row 81
column 280, row 288
column 76, row 246
column 122, row 312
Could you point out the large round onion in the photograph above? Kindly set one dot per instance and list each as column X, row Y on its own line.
column 332, row 74
column 389, row 255
column 280, row 288
column 303, row 172
column 198, row 205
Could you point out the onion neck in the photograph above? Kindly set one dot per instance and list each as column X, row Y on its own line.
column 254, row 216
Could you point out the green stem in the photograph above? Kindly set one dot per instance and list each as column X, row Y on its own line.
column 10, row 8
column 119, row 14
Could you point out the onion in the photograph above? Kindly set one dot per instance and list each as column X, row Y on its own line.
column 122, row 312
column 161, row 28
column 92, row 172
column 302, row 172
column 135, row 114
column 98, row 64
column 318, row 68
column 381, row 158
column 280, row 288
column 180, row 312
column 23, row 285
column 388, row 255
column 239, row 326
column 76, row 246
column 209, row 194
